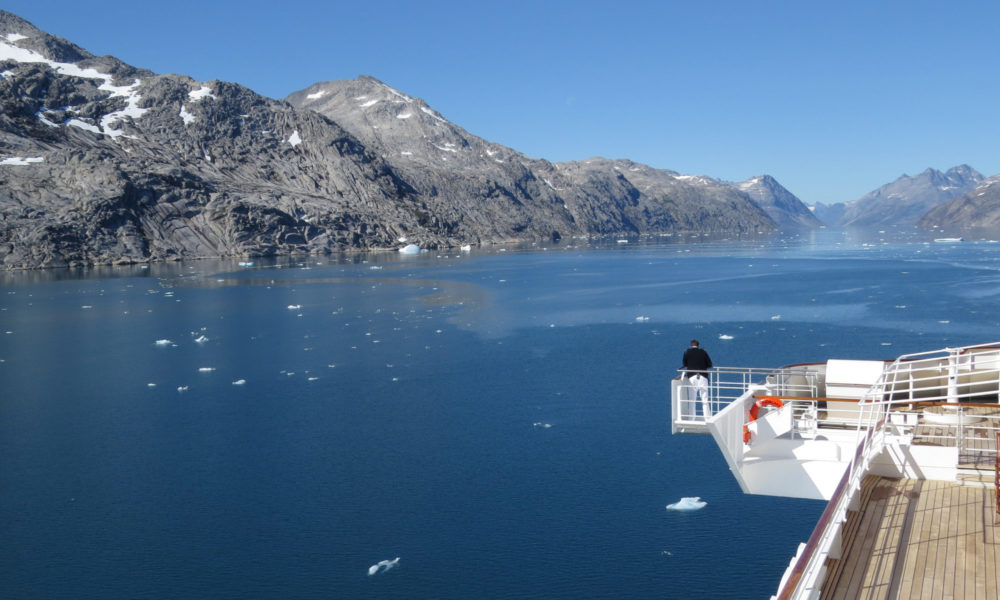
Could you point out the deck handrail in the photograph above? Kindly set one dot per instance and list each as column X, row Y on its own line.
column 835, row 508
column 876, row 402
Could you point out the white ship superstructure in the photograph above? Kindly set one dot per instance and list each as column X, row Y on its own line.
column 840, row 429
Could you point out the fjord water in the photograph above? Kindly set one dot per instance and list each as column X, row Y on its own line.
column 498, row 421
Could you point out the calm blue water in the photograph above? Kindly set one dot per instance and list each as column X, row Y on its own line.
column 498, row 421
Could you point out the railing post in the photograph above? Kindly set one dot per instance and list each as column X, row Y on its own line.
column 952, row 375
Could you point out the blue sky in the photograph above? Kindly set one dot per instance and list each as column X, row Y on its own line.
column 833, row 99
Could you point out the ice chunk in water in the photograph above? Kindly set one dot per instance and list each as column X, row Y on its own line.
column 409, row 249
column 689, row 503
column 382, row 566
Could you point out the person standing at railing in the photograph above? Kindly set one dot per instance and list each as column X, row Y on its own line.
column 697, row 362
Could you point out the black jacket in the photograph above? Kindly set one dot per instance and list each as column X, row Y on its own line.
column 696, row 361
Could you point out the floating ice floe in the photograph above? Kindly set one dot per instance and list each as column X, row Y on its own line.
column 163, row 342
column 182, row 388
column 245, row 264
column 409, row 249
column 294, row 306
column 642, row 319
column 775, row 317
column 239, row 382
column 151, row 384
column 542, row 425
column 723, row 336
column 201, row 339
column 382, row 566
column 689, row 503
column 466, row 248
column 206, row 369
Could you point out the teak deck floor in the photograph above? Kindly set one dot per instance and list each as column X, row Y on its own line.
column 919, row 539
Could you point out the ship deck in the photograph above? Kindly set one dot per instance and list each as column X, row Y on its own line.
column 919, row 539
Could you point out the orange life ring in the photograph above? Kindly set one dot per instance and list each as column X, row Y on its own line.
column 755, row 409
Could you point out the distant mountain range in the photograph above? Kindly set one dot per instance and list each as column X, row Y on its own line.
column 904, row 202
column 103, row 163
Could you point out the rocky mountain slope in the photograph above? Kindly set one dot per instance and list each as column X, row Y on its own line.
column 781, row 205
column 455, row 170
column 978, row 209
column 102, row 162
column 904, row 201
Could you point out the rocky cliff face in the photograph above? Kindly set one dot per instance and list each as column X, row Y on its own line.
column 104, row 163
column 979, row 209
column 903, row 202
column 101, row 162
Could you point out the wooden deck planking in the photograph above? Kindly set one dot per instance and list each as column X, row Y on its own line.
column 919, row 539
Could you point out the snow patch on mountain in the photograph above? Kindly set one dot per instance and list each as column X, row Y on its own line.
column 8, row 51
column 433, row 114
column 20, row 161
column 201, row 93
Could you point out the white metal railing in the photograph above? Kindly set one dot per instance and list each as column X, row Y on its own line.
column 727, row 384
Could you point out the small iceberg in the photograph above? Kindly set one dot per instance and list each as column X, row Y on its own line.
column 200, row 339
column 691, row 503
column 239, row 382
column 382, row 566
column 409, row 249
column 723, row 336
column 294, row 306
column 205, row 369
column 542, row 425
column 466, row 248
column 163, row 342
column 642, row 318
